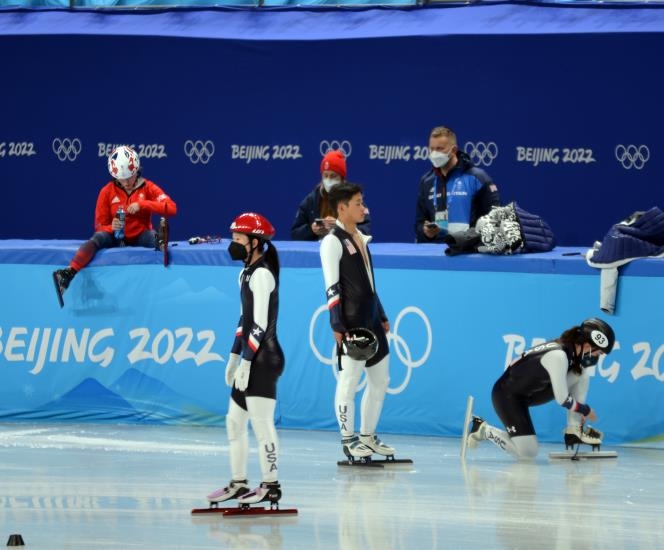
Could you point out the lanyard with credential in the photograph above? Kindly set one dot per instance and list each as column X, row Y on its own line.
column 435, row 193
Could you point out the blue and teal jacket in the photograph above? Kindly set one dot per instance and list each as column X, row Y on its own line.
column 467, row 192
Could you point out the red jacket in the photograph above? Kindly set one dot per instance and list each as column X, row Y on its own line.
column 148, row 195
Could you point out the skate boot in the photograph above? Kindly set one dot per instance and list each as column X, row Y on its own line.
column 354, row 448
column 235, row 489
column 477, row 432
column 64, row 277
column 575, row 435
column 266, row 491
column 376, row 445
column 61, row 279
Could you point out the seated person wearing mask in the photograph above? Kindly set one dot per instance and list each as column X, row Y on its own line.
column 453, row 194
column 315, row 217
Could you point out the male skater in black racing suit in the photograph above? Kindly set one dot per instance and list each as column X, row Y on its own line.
column 353, row 303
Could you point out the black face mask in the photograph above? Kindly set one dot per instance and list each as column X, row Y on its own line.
column 589, row 360
column 237, row 251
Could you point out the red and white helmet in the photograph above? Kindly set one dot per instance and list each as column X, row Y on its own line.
column 123, row 163
column 253, row 224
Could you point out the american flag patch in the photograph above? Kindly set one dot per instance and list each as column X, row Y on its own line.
column 332, row 296
column 253, row 343
column 349, row 245
column 255, row 337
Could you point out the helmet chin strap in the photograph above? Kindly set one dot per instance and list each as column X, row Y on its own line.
column 578, row 356
column 252, row 249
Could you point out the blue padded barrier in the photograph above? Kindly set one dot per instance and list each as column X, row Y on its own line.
column 137, row 342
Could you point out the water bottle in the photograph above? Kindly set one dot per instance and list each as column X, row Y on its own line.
column 120, row 215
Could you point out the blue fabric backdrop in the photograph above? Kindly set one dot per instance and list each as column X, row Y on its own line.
column 232, row 110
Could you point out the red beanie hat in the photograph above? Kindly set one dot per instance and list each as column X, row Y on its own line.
column 335, row 161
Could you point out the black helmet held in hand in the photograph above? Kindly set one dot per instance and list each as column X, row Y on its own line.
column 360, row 344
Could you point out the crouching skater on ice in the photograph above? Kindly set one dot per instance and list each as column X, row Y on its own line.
column 555, row 370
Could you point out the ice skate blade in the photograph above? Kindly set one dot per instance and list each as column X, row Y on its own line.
column 58, row 292
column 593, row 448
column 466, row 426
column 243, row 509
column 212, row 510
column 391, row 460
column 239, row 512
column 165, row 236
column 246, row 510
column 570, row 455
column 365, row 462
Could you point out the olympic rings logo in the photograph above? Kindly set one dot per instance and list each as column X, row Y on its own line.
column 66, row 149
column 199, row 151
column 631, row 156
column 481, row 153
column 394, row 339
column 344, row 146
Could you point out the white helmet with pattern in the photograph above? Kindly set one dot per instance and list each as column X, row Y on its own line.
column 123, row 163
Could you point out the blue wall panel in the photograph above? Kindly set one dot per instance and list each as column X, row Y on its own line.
column 140, row 343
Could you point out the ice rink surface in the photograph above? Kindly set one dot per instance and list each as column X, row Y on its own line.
column 108, row 486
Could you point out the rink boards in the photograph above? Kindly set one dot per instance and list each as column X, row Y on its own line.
column 138, row 342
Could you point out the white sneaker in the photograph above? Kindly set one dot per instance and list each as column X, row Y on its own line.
column 235, row 489
column 477, row 432
column 376, row 445
column 352, row 446
column 265, row 491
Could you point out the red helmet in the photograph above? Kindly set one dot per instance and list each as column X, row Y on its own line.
column 253, row 224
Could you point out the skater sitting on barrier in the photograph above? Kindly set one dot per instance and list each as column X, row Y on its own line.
column 555, row 370
column 255, row 363
column 136, row 198
column 353, row 304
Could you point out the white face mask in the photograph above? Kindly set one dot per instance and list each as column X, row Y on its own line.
column 329, row 183
column 438, row 158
